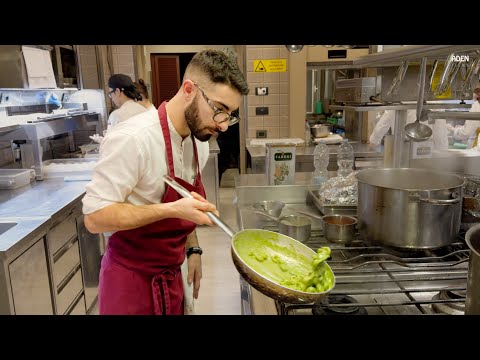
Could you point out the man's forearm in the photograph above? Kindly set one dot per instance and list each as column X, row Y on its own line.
column 192, row 239
column 118, row 217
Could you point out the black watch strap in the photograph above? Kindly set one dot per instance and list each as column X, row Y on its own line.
column 194, row 250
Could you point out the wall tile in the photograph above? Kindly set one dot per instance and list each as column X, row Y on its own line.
column 254, row 54
column 284, row 110
column 272, row 132
column 255, row 100
column 283, row 99
column 254, row 77
column 271, row 77
column 270, row 121
column 271, row 53
column 256, row 122
column 252, row 86
column 283, row 120
column 274, row 110
column 284, row 75
column 252, row 133
column 283, row 88
column 284, row 53
column 251, row 112
column 271, row 99
column 273, row 88
column 284, row 133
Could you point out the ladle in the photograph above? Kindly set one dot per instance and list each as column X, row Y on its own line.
column 416, row 130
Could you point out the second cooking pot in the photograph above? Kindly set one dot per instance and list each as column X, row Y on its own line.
column 409, row 208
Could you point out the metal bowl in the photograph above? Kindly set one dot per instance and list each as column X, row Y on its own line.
column 270, row 207
column 339, row 228
column 320, row 130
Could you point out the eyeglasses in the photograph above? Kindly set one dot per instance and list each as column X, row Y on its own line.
column 110, row 93
column 219, row 115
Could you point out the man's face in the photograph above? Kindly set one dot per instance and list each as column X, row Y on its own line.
column 205, row 114
column 200, row 131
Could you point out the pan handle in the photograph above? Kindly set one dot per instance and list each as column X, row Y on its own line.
column 186, row 194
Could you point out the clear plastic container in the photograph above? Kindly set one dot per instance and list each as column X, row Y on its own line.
column 68, row 167
column 345, row 159
column 321, row 158
column 15, row 178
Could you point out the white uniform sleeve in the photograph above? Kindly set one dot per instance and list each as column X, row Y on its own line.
column 468, row 129
column 112, row 120
column 121, row 165
column 385, row 123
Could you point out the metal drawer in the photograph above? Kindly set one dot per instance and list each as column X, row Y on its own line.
column 69, row 292
column 79, row 308
column 61, row 233
column 69, row 257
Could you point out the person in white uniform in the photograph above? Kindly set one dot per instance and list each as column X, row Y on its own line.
column 387, row 121
column 467, row 132
column 154, row 227
column 125, row 96
column 145, row 101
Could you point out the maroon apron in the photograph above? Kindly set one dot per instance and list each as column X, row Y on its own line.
column 140, row 271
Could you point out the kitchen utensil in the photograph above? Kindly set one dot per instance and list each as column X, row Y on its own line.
column 339, row 228
column 416, row 130
column 320, row 130
column 297, row 227
column 409, row 208
column 270, row 207
column 261, row 283
column 472, row 300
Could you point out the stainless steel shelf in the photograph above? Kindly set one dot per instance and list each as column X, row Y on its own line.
column 395, row 56
column 459, row 115
column 361, row 108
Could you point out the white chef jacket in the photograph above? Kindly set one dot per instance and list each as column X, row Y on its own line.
column 133, row 160
column 387, row 121
column 127, row 110
column 468, row 129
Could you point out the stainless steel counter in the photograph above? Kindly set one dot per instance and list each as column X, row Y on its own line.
column 32, row 206
column 213, row 145
column 304, row 156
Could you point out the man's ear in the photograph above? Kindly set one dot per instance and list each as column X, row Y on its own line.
column 188, row 89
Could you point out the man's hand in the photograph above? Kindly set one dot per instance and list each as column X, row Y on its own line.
column 195, row 272
column 193, row 209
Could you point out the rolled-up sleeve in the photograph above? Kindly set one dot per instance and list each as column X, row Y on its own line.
column 121, row 165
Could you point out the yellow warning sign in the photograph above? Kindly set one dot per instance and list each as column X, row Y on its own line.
column 272, row 65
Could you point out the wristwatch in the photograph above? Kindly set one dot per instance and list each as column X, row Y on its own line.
column 194, row 250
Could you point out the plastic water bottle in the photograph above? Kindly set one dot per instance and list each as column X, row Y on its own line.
column 345, row 159
column 321, row 157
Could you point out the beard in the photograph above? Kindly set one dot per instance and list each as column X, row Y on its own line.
column 193, row 122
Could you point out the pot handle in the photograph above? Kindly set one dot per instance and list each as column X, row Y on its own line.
column 455, row 199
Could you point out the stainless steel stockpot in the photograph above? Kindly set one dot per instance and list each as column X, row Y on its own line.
column 409, row 208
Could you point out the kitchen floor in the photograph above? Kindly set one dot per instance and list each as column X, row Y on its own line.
column 220, row 286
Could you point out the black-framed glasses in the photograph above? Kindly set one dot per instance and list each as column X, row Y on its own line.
column 110, row 93
column 219, row 115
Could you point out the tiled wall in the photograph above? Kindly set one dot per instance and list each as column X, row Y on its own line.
column 276, row 122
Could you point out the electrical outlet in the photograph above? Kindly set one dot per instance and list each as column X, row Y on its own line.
column 261, row 134
column 262, row 110
column 261, row 91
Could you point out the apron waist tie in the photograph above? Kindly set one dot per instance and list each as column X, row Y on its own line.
column 160, row 292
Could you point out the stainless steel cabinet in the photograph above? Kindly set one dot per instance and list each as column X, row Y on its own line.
column 30, row 282
column 91, row 252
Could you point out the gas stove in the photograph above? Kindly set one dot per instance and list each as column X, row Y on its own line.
column 375, row 280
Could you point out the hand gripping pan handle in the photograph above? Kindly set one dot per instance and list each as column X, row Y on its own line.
column 186, row 194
